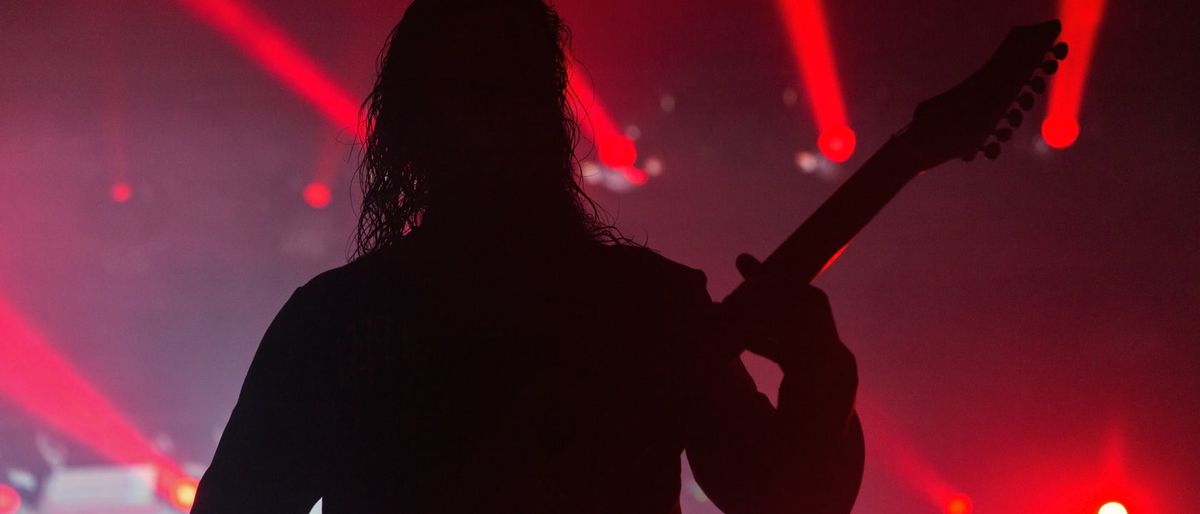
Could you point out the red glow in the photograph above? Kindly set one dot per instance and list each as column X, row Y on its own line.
column 834, row 258
column 1080, row 19
column 36, row 378
column 1060, row 132
column 182, row 493
column 317, row 195
column 10, row 500
column 615, row 149
column 837, row 143
column 805, row 22
column 897, row 452
column 958, row 504
column 121, row 192
column 272, row 49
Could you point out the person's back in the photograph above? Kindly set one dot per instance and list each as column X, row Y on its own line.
column 496, row 349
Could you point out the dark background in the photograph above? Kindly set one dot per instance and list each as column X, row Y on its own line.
column 1018, row 323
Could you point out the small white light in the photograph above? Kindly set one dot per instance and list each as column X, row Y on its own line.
column 790, row 97
column 654, row 166
column 808, row 162
column 633, row 132
column 667, row 102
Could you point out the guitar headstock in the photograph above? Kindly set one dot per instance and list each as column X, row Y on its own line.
column 967, row 119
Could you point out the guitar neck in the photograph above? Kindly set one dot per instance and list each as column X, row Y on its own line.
column 806, row 251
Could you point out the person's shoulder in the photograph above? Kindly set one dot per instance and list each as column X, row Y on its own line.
column 352, row 279
column 650, row 264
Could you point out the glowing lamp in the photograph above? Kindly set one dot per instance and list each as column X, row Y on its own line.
column 183, row 493
column 1060, row 132
column 1113, row 508
column 958, row 504
column 10, row 501
column 617, row 150
column 121, row 192
column 837, row 144
column 317, row 195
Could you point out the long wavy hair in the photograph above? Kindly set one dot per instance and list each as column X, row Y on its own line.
column 402, row 162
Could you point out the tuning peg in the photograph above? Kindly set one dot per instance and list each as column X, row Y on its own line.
column 1060, row 50
column 747, row 265
column 969, row 156
column 991, row 151
column 1025, row 101
column 1003, row 135
column 1037, row 84
column 1049, row 67
column 1015, row 117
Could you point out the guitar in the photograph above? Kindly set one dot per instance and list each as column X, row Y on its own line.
column 961, row 122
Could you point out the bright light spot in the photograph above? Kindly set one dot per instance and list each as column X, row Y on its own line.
column 633, row 132
column 617, row 151
column 654, row 166
column 807, row 161
column 837, row 144
column 317, row 195
column 10, row 501
column 667, row 102
column 1113, row 508
column 634, row 175
column 591, row 172
column 183, row 493
column 121, row 192
column 1060, row 132
column 790, row 97
column 958, row 504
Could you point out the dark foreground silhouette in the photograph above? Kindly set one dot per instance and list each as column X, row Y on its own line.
column 495, row 348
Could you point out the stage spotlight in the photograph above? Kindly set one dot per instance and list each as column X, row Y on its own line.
column 1081, row 21
column 317, row 195
column 809, row 34
column 837, row 143
column 121, row 192
column 1113, row 508
column 958, row 504
column 10, row 500
column 183, row 493
column 1060, row 132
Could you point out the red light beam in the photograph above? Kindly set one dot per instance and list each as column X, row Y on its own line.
column 897, row 452
column 272, row 49
column 1080, row 19
column 615, row 149
column 36, row 378
column 806, row 27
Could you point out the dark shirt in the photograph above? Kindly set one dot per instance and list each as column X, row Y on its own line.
column 566, row 383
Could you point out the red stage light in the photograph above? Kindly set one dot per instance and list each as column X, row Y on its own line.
column 958, row 504
column 121, row 192
column 805, row 23
column 1060, row 132
column 317, row 195
column 10, row 500
column 1113, row 508
column 272, row 49
column 183, row 493
column 837, row 143
column 615, row 149
column 1080, row 19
